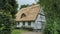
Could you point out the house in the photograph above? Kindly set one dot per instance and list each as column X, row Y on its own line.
column 30, row 17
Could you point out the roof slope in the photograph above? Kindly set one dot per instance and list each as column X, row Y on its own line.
column 30, row 13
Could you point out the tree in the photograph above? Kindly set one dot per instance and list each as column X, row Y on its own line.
column 10, row 6
column 24, row 6
column 52, row 12
column 6, row 23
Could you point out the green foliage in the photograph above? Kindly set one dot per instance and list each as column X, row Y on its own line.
column 9, row 6
column 52, row 12
column 6, row 23
column 23, row 6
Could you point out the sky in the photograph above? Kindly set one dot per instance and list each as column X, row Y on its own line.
column 22, row 2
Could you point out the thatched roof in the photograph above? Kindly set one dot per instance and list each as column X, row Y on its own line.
column 28, row 13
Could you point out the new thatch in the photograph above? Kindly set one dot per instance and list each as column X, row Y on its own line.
column 28, row 13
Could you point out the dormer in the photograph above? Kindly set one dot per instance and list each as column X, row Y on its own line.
column 23, row 15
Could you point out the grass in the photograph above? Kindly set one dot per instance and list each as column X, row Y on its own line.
column 16, row 31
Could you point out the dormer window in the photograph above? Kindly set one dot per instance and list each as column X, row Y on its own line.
column 23, row 15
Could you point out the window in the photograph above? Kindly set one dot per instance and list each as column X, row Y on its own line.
column 41, row 21
column 18, row 23
column 29, row 23
column 23, row 15
column 42, row 14
column 23, row 23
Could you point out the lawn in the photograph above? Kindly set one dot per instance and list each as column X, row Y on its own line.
column 16, row 31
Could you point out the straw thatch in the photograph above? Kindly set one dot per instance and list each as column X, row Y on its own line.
column 28, row 13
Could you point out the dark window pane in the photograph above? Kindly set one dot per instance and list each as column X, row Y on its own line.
column 42, row 14
column 29, row 23
column 18, row 23
column 23, row 15
column 23, row 23
column 41, row 21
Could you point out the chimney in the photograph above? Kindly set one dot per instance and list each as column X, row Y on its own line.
column 33, row 4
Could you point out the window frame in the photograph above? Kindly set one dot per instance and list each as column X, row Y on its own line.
column 29, row 22
column 23, row 15
column 23, row 22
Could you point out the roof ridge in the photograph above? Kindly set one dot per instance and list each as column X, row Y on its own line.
column 28, row 7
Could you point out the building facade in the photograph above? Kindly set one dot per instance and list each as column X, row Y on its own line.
column 31, row 17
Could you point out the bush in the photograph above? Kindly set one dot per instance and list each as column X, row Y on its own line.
column 5, row 23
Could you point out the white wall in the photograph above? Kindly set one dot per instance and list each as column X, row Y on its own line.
column 19, row 25
column 38, row 23
column 26, row 23
column 32, row 24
